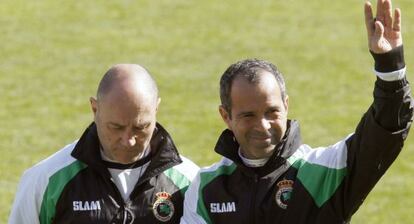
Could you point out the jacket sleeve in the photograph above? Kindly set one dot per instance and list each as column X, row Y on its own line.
column 26, row 206
column 380, row 135
column 190, row 215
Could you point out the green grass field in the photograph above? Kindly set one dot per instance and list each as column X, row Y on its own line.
column 53, row 54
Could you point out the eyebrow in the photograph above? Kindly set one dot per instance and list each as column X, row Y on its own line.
column 278, row 108
column 244, row 113
column 143, row 125
column 116, row 124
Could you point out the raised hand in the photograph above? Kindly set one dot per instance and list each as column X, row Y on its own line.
column 384, row 31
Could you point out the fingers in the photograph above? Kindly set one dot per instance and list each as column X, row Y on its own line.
column 384, row 31
column 397, row 20
column 369, row 19
column 380, row 11
column 384, row 15
column 387, row 12
column 379, row 30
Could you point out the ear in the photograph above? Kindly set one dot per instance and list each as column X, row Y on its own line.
column 94, row 105
column 225, row 116
column 286, row 103
column 158, row 104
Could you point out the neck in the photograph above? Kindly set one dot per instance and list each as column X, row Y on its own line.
column 253, row 162
column 110, row 158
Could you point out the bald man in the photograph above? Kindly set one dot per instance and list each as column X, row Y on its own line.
column 125, row 167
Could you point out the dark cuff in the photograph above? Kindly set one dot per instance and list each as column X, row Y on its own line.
column 390, row 61
column 391, row 86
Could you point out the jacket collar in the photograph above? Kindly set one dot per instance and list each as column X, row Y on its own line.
column 228, row 146
column 163, row 154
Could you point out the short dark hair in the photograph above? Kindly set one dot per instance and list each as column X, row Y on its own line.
column 249, row 69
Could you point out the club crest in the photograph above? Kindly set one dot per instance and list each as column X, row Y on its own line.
column 163, row 207
column 283, row 193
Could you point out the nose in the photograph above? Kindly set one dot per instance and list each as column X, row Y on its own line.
column 264, row 124
column 128, row 139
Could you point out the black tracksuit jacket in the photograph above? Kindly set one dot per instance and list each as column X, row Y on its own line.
column 75, row 186
column 301, row 185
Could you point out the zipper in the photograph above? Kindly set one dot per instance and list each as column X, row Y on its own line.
column 125, row 216
column 118, row 200
column 253, row 200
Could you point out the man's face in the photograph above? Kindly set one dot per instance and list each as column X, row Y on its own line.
column 258, row 115
column 124, row 128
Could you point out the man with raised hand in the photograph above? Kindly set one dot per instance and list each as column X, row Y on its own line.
column 268, row 176
column 125, row 167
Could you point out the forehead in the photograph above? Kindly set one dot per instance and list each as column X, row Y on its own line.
column 124, row 108
column 263, row 91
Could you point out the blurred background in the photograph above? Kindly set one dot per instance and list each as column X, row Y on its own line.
column 53, row 54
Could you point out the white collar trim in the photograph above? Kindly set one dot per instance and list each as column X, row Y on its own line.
column 253, row 162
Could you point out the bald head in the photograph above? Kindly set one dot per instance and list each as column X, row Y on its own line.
column 125, row 112
column 128, row 80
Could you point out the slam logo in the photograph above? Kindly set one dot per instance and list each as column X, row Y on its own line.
column 223, row 207
column 86, row 205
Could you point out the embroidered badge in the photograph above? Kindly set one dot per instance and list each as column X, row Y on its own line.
column 284, row 192
column 163, row 207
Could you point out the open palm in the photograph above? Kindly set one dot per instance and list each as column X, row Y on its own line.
column 384, row 31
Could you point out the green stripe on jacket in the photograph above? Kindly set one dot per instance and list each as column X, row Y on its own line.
column 56, row 184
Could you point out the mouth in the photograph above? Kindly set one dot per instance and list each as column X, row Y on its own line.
column 262, row 135
column 262, row 138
